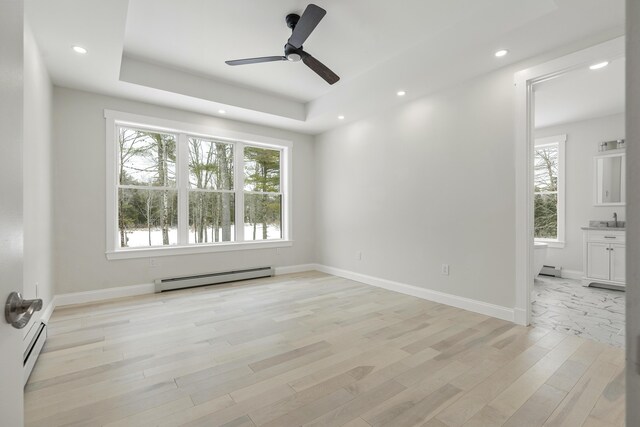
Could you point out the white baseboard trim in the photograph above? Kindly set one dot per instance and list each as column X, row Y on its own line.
column 571, row 274
column 300, row 268
column 103, row 294
column 520, row 316
column 492, row 310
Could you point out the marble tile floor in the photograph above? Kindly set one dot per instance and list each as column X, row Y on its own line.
column 566, row 306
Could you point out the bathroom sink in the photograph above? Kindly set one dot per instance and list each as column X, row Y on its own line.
column 607, row 225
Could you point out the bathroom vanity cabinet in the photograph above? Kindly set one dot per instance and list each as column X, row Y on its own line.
column 604, row 257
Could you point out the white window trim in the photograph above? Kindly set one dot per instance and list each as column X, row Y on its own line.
column 561, row 141
column 181, row 129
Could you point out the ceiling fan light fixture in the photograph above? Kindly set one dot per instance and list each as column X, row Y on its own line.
column 294, row 57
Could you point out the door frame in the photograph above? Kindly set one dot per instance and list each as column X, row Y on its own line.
column 524, row 83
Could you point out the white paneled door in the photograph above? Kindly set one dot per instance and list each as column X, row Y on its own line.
column 11, row 115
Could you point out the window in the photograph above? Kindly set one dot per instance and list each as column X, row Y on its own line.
column 147, row 196
column 262, row 196
column 548, row 182
column 175, row 188
column 211, row 191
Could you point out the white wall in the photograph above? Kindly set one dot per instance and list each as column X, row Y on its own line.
column 426, row 183
column 582, row 145
column 38, row 225
column 79, row 199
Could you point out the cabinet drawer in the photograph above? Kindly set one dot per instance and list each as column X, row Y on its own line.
column 606, row 236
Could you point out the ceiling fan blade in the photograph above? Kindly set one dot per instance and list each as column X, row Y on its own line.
column 308, row 22
column 319, row 68
column 256, row 60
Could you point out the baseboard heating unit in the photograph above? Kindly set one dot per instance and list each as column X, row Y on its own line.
column 550, row 270
column 33, row 350
column 212, row 279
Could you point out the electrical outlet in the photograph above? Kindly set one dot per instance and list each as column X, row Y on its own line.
column 358, row 256
column 154, row 263
column 277, row 251
column 445, row 269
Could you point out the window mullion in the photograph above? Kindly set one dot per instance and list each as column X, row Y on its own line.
column 285, row 191
column 238, row 185
column 183, row 189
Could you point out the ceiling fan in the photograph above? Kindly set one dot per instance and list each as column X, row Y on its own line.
column 302, row 27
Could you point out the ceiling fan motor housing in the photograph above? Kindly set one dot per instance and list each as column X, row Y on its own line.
column 292, row 19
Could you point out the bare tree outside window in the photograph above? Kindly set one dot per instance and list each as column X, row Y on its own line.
column 546, row 191
column 211, row 194
column 147, row 197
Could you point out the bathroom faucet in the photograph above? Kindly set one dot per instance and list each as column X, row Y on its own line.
column 615, row 220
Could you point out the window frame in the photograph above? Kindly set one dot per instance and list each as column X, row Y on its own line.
column 560, row 141
column 183, row 131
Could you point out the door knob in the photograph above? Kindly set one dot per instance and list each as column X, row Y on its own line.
column 18, row 311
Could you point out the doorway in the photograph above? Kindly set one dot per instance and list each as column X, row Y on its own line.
column 526, row 82
column 578, row 202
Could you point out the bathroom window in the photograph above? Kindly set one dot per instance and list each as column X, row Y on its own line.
column 548, row 181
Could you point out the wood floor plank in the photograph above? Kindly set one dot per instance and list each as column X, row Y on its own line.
column 535, row 411
column 576, row 407
column 359, row 405
column 317, row 350
column 290, row 403
column 610, row 407
column 475, row 399
column 513, row 397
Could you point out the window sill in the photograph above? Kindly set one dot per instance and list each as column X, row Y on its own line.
column 556, row 244
column 194, row 249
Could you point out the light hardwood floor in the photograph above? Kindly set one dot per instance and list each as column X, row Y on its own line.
column 312, row 349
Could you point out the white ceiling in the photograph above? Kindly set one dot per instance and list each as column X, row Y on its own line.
column 172, row 52
column 353, row 37
column 580, row 95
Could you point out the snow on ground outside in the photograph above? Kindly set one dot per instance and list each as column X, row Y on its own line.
column 140, row 237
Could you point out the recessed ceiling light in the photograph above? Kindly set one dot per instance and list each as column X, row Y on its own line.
column 501, row 53
column 80, row 50
column 222, row 111
column 340, row 117
column 599, row 65
column 401, row 93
